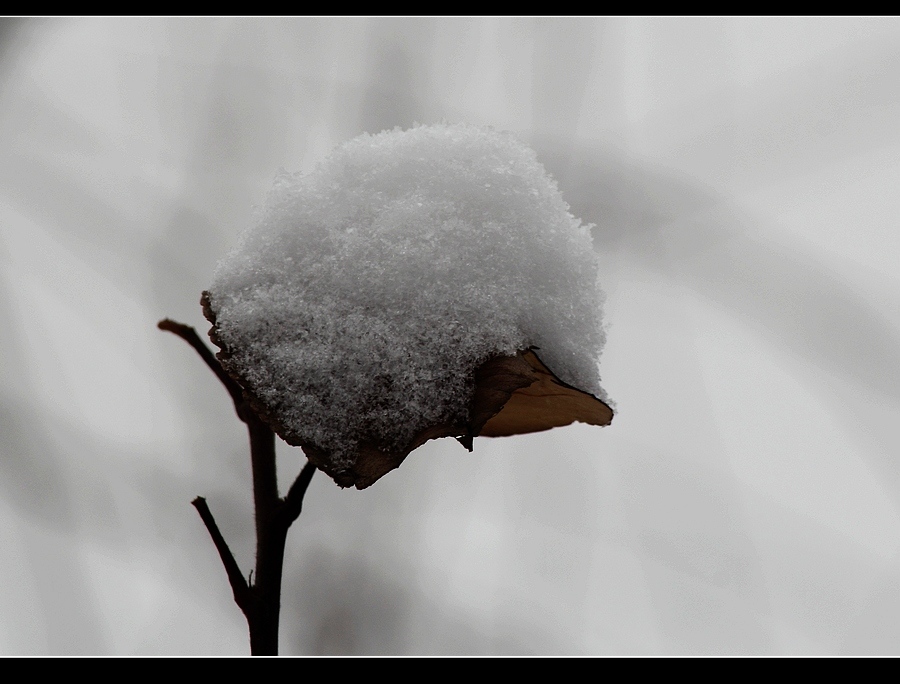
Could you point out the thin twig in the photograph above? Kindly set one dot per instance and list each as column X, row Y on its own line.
column 189, row 335
column 238, row 584
column 293, row 502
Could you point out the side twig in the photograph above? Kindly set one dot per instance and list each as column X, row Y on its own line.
column 238, row 584
column 189, row 335
column 293, row 502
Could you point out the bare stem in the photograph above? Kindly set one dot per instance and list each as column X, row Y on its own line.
column 260, row 598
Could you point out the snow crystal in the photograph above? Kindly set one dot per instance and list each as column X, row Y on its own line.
column 359, row 305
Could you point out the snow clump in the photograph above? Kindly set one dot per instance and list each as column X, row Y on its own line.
column 358, row 306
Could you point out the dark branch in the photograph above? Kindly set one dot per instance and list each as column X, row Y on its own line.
column 293, row 502
column 258, row 597
column 189, row 335
column 238, row 583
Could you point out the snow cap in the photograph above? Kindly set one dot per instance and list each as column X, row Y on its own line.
column 357, row 308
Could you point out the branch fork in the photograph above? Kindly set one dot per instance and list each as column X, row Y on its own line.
column 260, row 598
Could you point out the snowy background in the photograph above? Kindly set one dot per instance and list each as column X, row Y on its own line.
column 743, row 175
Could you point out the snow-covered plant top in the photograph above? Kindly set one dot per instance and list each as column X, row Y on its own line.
column 358, row 308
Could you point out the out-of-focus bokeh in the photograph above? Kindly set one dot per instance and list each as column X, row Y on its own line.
column 742, row 175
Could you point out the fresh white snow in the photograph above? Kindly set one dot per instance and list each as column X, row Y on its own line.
column 367, row 292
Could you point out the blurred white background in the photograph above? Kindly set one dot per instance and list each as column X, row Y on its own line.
column 743, row 175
